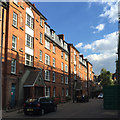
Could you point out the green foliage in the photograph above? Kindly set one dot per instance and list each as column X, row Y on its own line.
column 106, row 77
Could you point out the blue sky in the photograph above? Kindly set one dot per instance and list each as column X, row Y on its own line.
column 91, row 27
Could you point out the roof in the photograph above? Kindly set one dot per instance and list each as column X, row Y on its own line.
column 35, row 9
column 73, row 47
column 34, row 79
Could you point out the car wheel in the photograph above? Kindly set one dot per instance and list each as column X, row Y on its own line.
column 42, row 112
column 55, row 109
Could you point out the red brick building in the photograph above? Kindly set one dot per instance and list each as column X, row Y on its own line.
column 77, row 72
column 36, row 61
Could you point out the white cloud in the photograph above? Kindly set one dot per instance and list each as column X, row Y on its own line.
column 79, row 45
column 104, row 52
column 99, row 28
column 111, row 11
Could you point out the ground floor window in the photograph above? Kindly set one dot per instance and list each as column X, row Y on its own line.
column 54, row 92
column 47, row 91
column 66, row 91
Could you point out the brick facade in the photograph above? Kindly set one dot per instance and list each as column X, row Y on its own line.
column 34, row 47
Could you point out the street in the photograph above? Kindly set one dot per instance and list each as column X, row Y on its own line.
column 92, row 109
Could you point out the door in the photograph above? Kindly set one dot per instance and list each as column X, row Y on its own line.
column 13, row 95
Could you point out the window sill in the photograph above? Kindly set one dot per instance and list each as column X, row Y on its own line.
column 13, row 73
column 37, row 20
column 41, row 26
column 36, row 38
column 21, row 28
column 54, row 53
column 29, row 27
column 15, row 26
column 16, row 4
column 41, row 61
column 20, row 50
column 53, row 81
column 14, row 50
column 29, row 47
column 47, row 80
column 22, row 7
column 41, row 43
column 47, row 49
column 47, row 64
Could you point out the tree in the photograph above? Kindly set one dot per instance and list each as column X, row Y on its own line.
column 106, row 77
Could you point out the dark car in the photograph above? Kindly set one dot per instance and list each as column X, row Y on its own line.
column 39, row 105
column 82, row 98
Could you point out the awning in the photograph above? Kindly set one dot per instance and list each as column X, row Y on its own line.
column 35, row 78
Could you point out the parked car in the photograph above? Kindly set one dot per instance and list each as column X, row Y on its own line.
column 39, row 105
column 82, row 98
column 100, row 96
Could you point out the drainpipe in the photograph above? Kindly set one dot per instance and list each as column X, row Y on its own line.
column 2, row 22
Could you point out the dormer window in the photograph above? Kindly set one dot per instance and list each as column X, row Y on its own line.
column 53, row 35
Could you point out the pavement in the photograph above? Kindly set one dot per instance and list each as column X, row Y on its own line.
column 91, row 109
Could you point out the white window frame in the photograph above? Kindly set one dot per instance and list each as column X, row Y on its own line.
column 41, row 21
column 53, row 76
column 47, row 75
column 40, row 55
column 66, row 80
column 47, row 91
column 14, row 42
column 30, row 21
column 30, row 41
column 62, row 66
column 66, row 68
column 67, row 92
column 66, row 57
column 15, row 19
column 74, row 68
column 30, row 60
column 74, row 58
column 41, row 37
column 47, row 59
column 47, row 44
column 13, row 66
column 53, row 48
column 53, row 62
